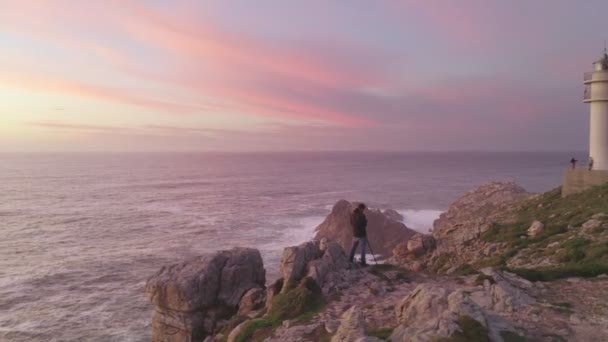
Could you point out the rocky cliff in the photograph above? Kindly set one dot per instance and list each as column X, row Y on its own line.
column 501, row 265
column 384, row 229
column 193, row 297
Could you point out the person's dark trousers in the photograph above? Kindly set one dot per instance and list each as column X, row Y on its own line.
column 356, row 241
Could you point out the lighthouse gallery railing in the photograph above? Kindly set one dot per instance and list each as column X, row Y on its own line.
column 595, row 75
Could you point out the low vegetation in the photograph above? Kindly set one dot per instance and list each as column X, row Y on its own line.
column 509, row 336
column 555, row 212
column 586, row 270
column 576, row 256
column 471, row 330
column 382, row 333
column 299, row 302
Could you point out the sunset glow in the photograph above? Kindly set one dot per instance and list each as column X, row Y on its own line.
column 274, row 75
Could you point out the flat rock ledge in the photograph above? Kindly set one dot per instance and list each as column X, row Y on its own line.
column 191, row 297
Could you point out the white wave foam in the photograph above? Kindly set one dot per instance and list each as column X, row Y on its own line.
column 303, row 230
column 420, row 220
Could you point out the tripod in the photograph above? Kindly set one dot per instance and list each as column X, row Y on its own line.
column 371, row 251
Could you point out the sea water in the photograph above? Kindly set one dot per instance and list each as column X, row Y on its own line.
column 81, row 233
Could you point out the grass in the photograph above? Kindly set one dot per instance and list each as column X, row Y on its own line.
column 464, row 270
column 300, row 302
column 250, row 329
column 585, row 270
column 382, row 333
column 509, row 336
column 233, row 323
column 297, row 301
column 556, row 213
column 471, row 331
column 578, row 257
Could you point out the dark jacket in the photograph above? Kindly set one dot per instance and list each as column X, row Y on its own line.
column 359, row 223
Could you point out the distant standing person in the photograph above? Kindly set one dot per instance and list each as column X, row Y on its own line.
column 573, row 162
column 358, row 222
column 590, row 163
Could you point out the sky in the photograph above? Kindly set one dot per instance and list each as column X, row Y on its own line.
column 241, row 75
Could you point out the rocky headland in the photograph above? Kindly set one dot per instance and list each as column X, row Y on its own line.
column 500, row 265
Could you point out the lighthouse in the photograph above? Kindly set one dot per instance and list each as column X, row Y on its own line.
column 596, row 94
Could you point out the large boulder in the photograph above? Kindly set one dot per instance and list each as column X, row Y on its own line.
column 191, row 297
column 333, row 259
column 536, row 228
column 295, row 259
column 458, row 230
column 352, row 328
column 314, row 259
column 431, row 311
column 384, row 228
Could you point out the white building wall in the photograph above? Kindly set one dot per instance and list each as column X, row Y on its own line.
column 598, row 135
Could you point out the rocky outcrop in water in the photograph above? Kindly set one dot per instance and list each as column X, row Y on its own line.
column 384, row 228
column 191, row 297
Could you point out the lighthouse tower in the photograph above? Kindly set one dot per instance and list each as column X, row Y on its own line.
column 596, row 94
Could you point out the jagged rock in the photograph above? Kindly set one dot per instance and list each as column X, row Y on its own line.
column 507, row 292
column 295, row 260
column 352, row 328
column 590, row 225
column 385, row 229
column 333, row 258
column 272, row 291
column 458, row 230
column 331, row 326
column 314, row 259
column 295, row 333
column 420, row 243
column 424, row 303
column 393, row 215
column 236, row 331
column 406, row 253
column 536, row 229
column 252, row 300
column 191, row 297
column 491, row 249
column 423, row 314
column 432, row 311
column 553, row 244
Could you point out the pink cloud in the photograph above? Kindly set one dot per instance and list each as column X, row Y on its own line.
column 200, row 49
column 73, row 88
column 195, row 39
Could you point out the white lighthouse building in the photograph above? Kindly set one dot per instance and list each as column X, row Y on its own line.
column 596, row 171
column 596, row 94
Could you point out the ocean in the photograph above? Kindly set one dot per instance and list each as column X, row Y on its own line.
column 81, row 233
